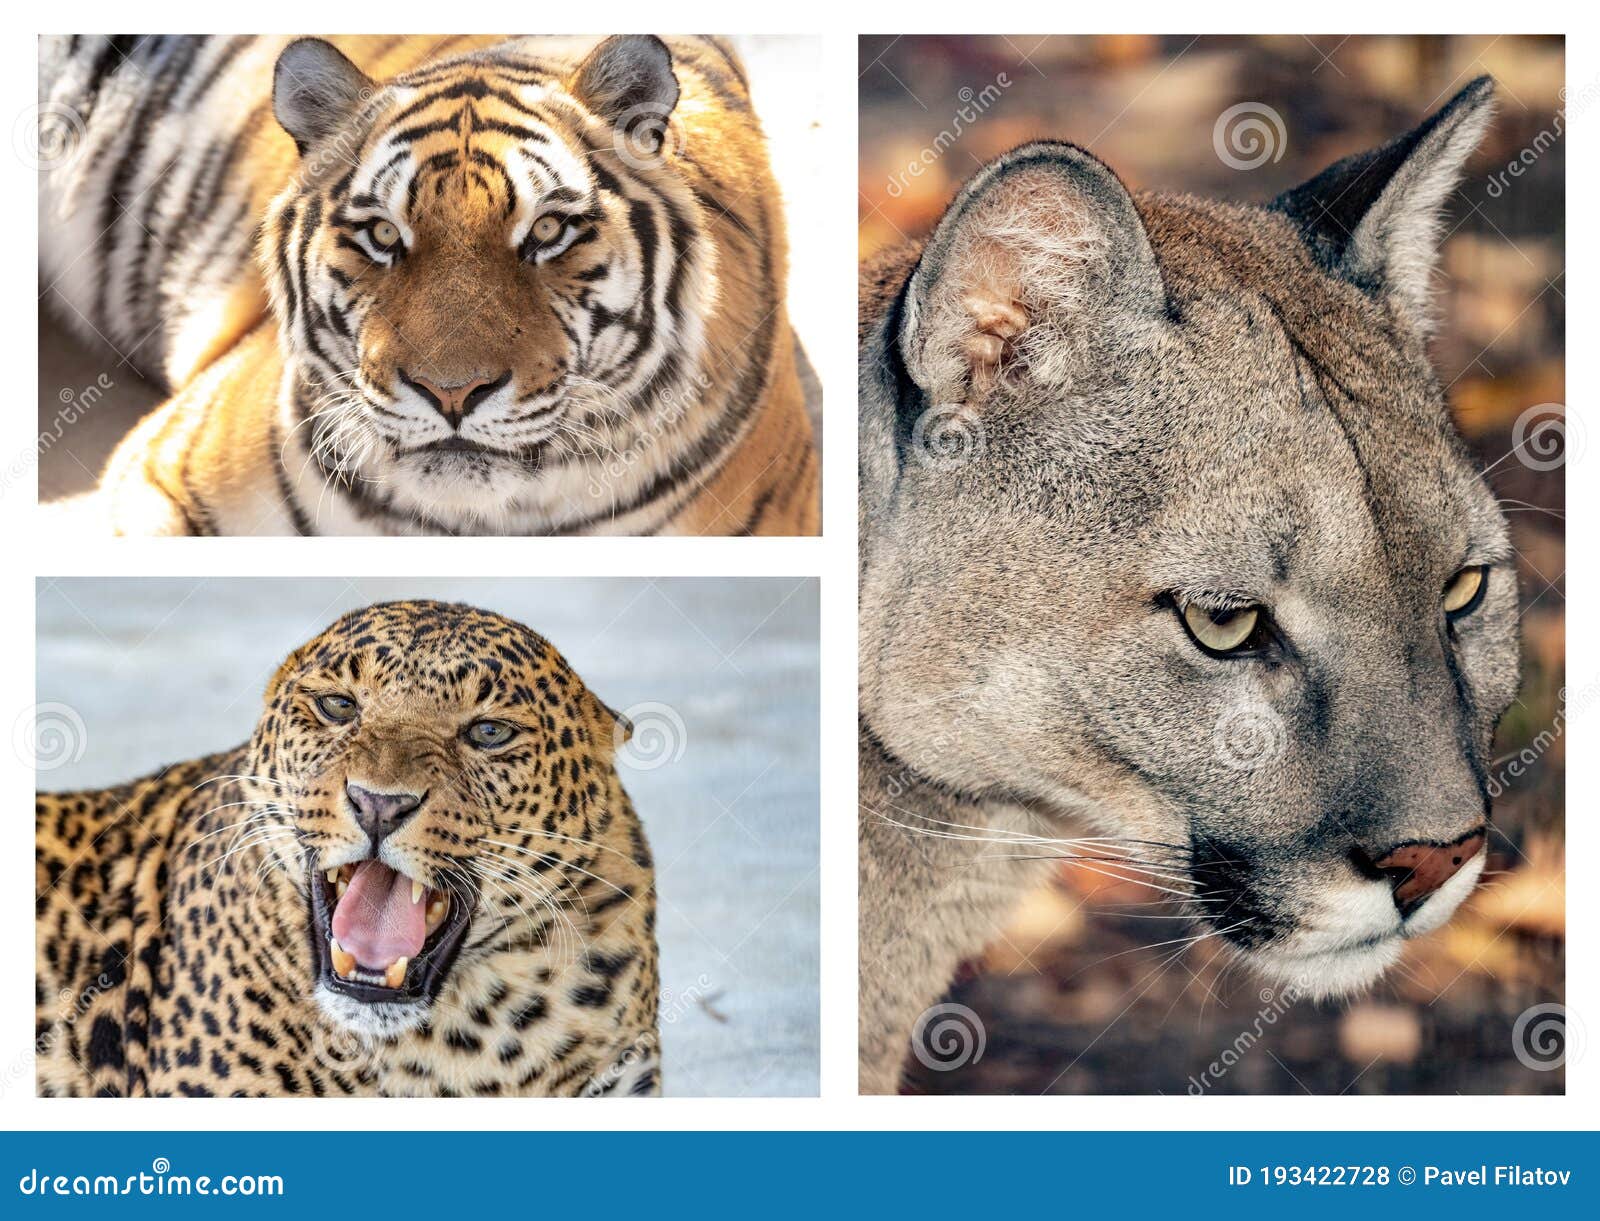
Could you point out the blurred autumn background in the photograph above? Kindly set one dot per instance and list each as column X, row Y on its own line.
column 1074, row 998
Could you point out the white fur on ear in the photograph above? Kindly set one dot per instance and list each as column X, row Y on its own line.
column 1037, row 252
column 1397, row 241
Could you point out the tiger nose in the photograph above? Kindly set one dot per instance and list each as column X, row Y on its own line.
column 1417, row 870
column 381, row 814
column 455, row 403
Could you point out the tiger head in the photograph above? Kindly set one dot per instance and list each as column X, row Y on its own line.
column 481, row 264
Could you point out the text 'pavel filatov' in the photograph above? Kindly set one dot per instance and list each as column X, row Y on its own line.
column 1496, row 1176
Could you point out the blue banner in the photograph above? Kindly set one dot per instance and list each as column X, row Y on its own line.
column 794, row 1174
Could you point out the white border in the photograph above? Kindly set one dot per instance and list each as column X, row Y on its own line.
column 830, row 237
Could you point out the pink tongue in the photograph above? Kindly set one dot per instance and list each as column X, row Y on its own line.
column 376, row 920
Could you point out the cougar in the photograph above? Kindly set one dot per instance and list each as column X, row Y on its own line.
column 1167, row 540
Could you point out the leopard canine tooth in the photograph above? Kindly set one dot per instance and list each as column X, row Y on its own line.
column 344, row 962
column 417, row 891
column 396, row 974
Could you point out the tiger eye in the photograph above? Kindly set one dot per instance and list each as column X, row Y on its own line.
column 1462, row 593
column 1221, row 631
column 386, row 233
column 547, row 228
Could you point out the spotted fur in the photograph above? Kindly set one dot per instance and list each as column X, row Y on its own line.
column 631, row 371
column 178, row 944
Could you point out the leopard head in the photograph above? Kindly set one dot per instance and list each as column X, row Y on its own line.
column 446, row 776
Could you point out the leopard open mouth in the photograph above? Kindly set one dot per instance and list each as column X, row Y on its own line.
column 379, row 936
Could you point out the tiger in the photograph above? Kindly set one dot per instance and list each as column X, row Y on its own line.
column 474, row 285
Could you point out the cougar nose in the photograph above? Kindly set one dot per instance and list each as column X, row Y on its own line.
column 455, row 403
column 381, row 814
column 1416, row 870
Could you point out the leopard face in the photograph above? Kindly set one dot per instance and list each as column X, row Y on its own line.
column 444, row 772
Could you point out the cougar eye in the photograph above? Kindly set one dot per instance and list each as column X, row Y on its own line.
column 1465, row 590
column 490, row 733
column 337, row 708
column 1225, row 632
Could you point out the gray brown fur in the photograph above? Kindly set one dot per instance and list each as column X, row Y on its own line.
column 1207, row 397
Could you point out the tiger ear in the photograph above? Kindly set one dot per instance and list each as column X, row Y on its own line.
column 315, row 89
column 627, row 80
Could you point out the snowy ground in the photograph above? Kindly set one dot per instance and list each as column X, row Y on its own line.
column 733, row 820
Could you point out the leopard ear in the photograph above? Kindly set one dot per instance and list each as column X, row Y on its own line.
column 1041, row 253
column 286, row 671
column 315, row 89
column 1374, row 218
column 628, row 81
column 611, row 729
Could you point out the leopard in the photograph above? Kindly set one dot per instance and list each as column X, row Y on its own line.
column 420, row 876
column 1172, row 563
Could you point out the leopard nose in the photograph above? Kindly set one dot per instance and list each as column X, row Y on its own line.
column 1417, row 870
column 454, row 403
column 381, row 814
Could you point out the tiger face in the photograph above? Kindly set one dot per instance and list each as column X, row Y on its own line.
column 482, row 266
column 445, row 774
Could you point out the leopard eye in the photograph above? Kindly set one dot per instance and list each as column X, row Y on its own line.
column 490, row 733
column 385, row 235
column 337, row 708
column 547, row 228
column 1465, row 591
column 1224, row 632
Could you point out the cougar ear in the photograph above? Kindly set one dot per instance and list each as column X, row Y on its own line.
column 315, row 89
column 627, row 80
column 1040, row 252
column 1374, row 218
